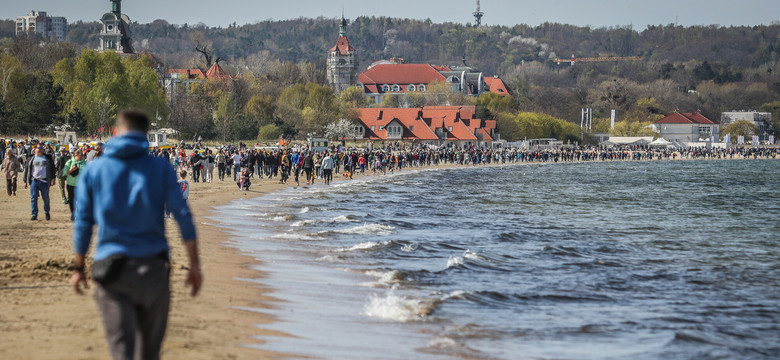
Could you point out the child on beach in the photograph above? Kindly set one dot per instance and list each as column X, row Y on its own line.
column 243, row 180
column 184, row 185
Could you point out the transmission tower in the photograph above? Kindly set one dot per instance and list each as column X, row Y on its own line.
column 478, row 15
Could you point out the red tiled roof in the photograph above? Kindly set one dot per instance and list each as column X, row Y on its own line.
column 685, row 118
column 421, row 123
column 401, row 74
column 216, row 72
column 496, row 85
column 342, row 46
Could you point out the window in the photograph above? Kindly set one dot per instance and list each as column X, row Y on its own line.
column 411, row 87
column 381, row 127
column 449, row 128
column 385, row 88
column 421, row 87
column 373, row 127
column 396, row 88
column 411, row 127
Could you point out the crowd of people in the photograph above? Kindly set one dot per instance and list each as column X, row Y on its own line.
column 44, row 165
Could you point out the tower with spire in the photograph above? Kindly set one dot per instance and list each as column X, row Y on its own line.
column 342, row 61
column 115, row 35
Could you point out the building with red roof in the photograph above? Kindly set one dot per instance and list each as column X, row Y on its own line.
column 397, row 77
column 342, row 61
column 435, row 125
column 687, row 127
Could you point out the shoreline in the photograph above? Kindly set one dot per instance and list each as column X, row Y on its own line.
column 45, row 318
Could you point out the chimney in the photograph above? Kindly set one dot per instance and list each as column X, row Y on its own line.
column 380, row 115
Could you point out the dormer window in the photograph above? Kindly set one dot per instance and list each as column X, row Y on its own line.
column 421, row 87
column 396, row 88
column 411, row 87
column 385, row 88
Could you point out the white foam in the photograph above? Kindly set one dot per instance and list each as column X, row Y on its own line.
column 337, row 219
column 457, row 294
column 442, row 342
column 304, row 210
column 368, row 245
column 283, row 217
column 472, row 255
column 383, row 278
column 377, row 229
column 454, row 261
column 409, row 247
column 293, row 236
column 396, row 308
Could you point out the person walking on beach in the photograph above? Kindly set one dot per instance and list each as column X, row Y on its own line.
column 39, row 174
column 72, row 170
column 11, row 168
column 327, row 168
column 59, row 163
column 308, row 166
column 125, row 193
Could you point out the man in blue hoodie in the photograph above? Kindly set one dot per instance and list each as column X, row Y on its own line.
column 125, row 193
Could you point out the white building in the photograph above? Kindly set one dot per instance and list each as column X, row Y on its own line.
column 115, row 35
column 687, row 127
column 762, row 120
column 37, row 22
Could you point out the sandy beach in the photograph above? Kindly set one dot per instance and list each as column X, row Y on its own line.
column 43, row 318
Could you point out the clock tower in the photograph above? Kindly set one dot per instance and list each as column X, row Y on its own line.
column 115, row 36
column 342, row 61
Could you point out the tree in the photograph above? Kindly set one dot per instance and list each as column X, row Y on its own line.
column 341, row 129
column 626, row 128
column 107, row 78
column 740, row 128
column 269, row 132
column 354, row 96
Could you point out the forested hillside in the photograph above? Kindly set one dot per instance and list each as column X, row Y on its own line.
column 710, row 68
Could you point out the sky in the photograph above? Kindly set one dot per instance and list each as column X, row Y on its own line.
column 594, row 13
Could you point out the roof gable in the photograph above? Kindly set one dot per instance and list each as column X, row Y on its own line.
column 342, row 46
column 685, row 118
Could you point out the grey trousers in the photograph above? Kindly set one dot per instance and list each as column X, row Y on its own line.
column 135, row 309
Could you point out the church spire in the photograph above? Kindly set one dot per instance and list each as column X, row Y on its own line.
column 343, row 25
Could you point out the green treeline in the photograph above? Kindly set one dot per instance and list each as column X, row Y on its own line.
column 281, row 68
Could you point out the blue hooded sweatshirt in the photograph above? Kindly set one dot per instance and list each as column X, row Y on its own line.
column 125, row 192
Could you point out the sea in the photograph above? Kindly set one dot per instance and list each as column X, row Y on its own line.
column 607, row 260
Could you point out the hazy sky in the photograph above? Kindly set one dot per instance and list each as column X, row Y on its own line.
column 596, row 13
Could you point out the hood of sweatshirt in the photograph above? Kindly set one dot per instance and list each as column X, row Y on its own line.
column 127, row 146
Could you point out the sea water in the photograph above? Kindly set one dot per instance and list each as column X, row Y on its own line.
column 639, row 260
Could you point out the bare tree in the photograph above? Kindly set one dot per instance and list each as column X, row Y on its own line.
column 207, row 53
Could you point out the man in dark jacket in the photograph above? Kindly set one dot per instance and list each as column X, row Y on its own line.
column 59, row 163
column 40, row 174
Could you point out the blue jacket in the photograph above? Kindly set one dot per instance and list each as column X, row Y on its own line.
column 125, row 192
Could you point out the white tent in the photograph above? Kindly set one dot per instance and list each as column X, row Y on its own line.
column 660, row 142
column 627, row 140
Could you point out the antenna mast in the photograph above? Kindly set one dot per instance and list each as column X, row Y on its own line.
column 478, row 16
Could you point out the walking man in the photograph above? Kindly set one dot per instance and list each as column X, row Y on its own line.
column 125, row 193
column 327, row 168
column 59, row 164
column 40, row 174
